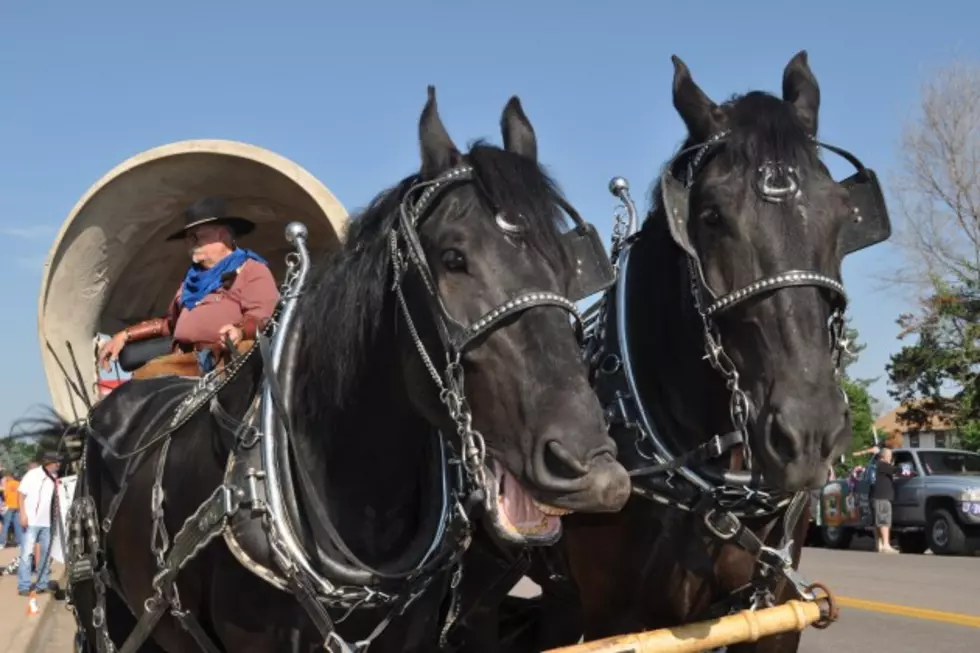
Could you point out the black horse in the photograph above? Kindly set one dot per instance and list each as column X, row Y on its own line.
column 727, row 321
column 460, row 271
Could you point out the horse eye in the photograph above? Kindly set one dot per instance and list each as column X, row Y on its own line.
column 453, row 260
column 711, row 217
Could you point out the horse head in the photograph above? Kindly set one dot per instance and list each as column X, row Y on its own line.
column 764, row 227
column 500, row 282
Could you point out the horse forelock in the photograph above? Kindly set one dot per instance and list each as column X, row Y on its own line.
column 528, row 197
column 765, row 128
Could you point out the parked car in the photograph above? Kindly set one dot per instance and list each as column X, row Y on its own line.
column 936, row 507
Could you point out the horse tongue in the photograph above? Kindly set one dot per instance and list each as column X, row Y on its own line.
column 517, row 504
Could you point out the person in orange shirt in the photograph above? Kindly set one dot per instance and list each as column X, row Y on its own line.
column 11, row 517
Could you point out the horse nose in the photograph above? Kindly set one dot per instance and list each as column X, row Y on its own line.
column 563, row 466
column 785, row 441
column 598, row 482
column 803, row 432
column 562, row 462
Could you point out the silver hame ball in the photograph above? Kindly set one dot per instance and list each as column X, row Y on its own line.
column 617, row 185
column 296, row 230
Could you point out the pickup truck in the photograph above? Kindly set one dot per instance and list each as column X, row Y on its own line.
column 936, row 507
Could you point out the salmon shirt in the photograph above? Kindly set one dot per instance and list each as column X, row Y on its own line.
column 252, row 294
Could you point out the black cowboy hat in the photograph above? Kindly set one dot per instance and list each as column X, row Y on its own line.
column 212, row 210
column 49, row 457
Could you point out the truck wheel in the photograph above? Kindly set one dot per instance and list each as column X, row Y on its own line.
column 836, row 537
column 944, row 533
column 913, row 542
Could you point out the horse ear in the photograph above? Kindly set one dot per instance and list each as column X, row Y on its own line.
column 439, row 153
column 702, row 116
column 801, row 90
column 518, row 133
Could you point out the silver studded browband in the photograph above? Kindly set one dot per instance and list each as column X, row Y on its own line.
column 517, row 305
column 784, row 280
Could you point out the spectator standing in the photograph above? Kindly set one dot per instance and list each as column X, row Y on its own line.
column 882, row 496
column 37, row 491
column 11, row 518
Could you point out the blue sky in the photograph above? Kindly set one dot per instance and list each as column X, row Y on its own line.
column 338, row 88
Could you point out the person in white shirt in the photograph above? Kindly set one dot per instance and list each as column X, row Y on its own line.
column 37, row 490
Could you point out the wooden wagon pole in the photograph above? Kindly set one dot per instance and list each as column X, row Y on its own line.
column 745, row 626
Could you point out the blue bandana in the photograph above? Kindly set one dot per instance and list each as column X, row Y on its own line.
column 200, row 282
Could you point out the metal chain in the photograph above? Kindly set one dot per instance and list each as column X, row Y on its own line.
column 718, row 358
column 619, row 233
column 159, row 538
column 104, row 643
column 625, row 222
column 474, row 447
column 451, row 391
column 839, row 341
column 454, row 608
column 625, row 225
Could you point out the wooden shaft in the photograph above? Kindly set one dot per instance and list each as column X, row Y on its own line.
column 746, row 626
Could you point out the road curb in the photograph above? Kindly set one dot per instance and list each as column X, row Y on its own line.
column 43, row 627
column 45, row 620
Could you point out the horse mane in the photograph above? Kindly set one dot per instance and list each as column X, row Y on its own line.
column 347, row 299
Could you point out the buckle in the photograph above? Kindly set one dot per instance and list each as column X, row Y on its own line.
column 335, row 644
column 726, row 528
column 777, row 560
column 714, row 447
column 780, row 562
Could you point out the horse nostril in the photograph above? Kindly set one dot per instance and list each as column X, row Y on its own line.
column 784, row 439
column 564, row 460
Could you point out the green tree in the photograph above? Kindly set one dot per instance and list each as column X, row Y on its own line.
column 860, row 400
column 937, row 235
column 16, row 453
column 28, row 438
column 939, row 375
column 862, row 421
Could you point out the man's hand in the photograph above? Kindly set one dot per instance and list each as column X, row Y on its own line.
column 232, row 332
column 109, row 352
column 22, row 517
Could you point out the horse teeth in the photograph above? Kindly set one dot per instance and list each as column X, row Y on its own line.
column 551, row 511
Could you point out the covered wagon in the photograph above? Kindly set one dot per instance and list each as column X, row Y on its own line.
column 111, row 265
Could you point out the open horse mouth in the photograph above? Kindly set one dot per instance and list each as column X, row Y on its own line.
column 518, row 518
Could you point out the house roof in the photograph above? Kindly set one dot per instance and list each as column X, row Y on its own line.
column 891, row 423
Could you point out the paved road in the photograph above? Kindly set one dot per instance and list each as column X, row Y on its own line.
column 949, row 586
column 16, row 626
column 945, row 588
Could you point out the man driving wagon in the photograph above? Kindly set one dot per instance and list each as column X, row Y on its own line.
column 228, row 294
